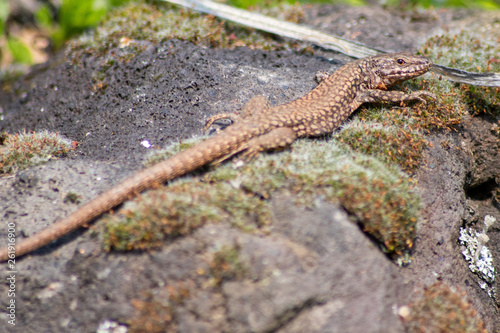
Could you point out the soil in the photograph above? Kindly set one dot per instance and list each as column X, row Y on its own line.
column 315, row 272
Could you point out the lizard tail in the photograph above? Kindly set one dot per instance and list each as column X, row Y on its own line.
column 212, row 149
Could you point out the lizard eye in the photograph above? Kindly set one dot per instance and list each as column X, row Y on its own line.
column 400, row 61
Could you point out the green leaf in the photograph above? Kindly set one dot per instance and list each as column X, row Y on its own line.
column 116, row 3
column 4, row 13
column 78, row 15
column 43, row 16
column 20, row 51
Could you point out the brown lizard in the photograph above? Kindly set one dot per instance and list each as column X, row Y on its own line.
column 258, row 128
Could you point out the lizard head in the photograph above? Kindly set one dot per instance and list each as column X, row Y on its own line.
column 392, row 68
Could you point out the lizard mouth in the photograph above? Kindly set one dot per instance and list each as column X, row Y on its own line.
column 416, row 71
column 394, row 75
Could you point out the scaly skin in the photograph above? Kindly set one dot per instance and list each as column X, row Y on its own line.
column 259, row 128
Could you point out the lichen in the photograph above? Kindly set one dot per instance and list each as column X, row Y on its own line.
column 483, row 266
column 478, row 255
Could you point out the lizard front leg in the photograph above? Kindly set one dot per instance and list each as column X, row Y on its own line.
column 375, row 95
column 321, row 76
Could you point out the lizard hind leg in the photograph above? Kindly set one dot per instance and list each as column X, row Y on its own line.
column 278, row 138
column 257, row 105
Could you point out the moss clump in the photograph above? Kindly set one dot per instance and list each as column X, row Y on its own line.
column 127, row 30
column 72, row 197
column 443, row 113
column 474, row 50
column 156, row 312
column 165, row 214
column 152, row 316
column 162, row 154
column 19, row 151
column 389, row 144
column 442, row 310
column 227, row 265
column 149, row 221
column 382, row 198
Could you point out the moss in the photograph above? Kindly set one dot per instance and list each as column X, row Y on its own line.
column 227, row 265
column 382, row 198
column 389, row 144
column 474, row 50
column 443, row 113
column 72, row 197
column 127, row 30
column 158, row 216
column 165, row 214
column 19, row 151
column 151, row 316
column 442, row 309
column 156, row 312
column 162, row 154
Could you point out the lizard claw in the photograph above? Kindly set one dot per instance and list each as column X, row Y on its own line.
column 249, row 154
column 320, row 76
column 418, row 96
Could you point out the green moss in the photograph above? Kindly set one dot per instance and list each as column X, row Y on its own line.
column 227, row 265
column 162, row 154
column 389, row 144
column 126, row 29
column 164, row 214
column 19, row 151
column 382, row 198
column 443, row 113
column 152, row 316
column 474, row 50
column 72, row 197
column 441, row 309
column 158, row 216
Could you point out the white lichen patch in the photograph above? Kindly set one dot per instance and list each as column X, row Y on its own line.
column 109, row 326
column 482, row 263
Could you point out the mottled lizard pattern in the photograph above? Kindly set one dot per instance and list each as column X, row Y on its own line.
column 258, row 128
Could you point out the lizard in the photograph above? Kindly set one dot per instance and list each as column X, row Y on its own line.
column 258, row 128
